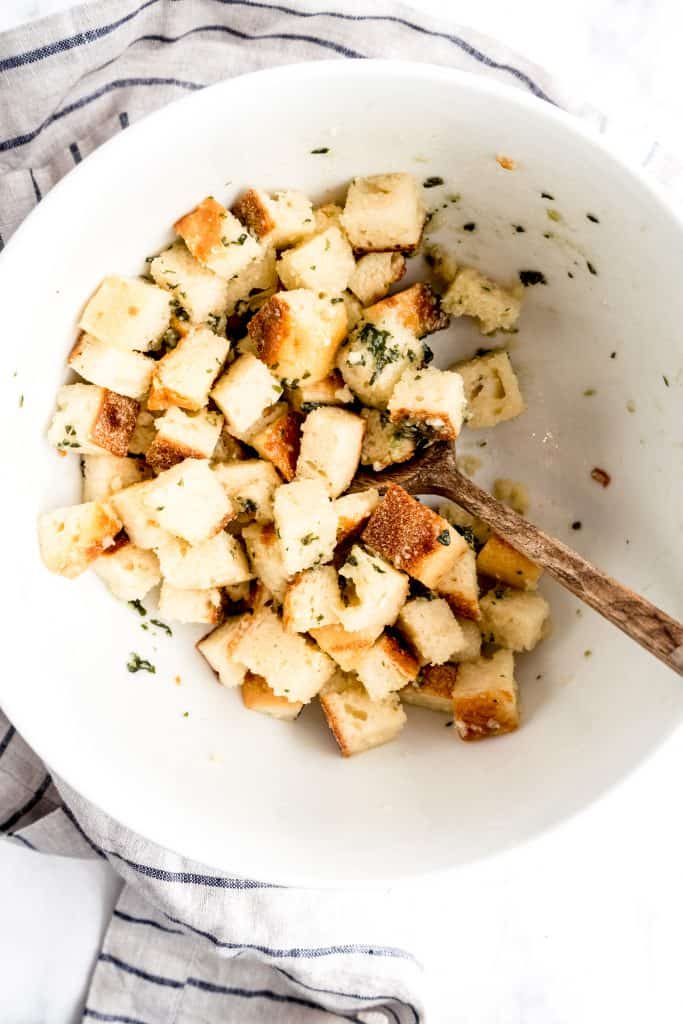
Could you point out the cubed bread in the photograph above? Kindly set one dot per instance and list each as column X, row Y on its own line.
column 219, row 561
column 431, row 629
column 388, row 666
column 215, row 648
column 256, row 282
column 472, row 294
column 250, row 485
column 129, row 572
column 327, row 216
column 127, row 312
column 412, row 537
column 331, row 390
column 183, row 435
column 312, row 600
column 71, row 538
column 265, row 555
column 460, row 587
column 188, row 501
column 386, row 443
column 140, row 522
column 258, row 696
column 473, row 529
column 343, row 646
column 279, row 440
column 353, row 511
column 374, row 356
column 491, row 389
column 501, row 561
column 513, row 494
column 374, row 275
column 374, row 594
column 217, row 239
column 513, row 619
column 323, row 263
column 331, row 441
column 143, row 433
column 104, row 475
column 205, row 606
column 433, row 689
column 200, row 292
column 417, row 308
column 244, row 392
column 297, row 334
column 384, row 212
column 121, row 370
column 485, row 699
column 306, row 524
column 470, row 648
column 91, row 420
column 430, row 398
column 185, row 375
column 292, row 666
column 359, row 723
column 279, row 220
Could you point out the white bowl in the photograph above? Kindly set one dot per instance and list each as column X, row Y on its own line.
column 275, row 801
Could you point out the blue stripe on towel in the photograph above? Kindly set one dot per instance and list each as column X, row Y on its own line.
column 6, row 825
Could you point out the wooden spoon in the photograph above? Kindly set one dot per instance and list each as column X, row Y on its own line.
column 435, row 472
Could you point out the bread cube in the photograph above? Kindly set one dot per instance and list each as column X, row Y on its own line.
column 327, row 216
column 279, row 440
column 258, row 696
column 214, row 647
column 71, row 538
column 244, row 391
column 120, row 370
column 298, row 333
column 354, row 510
column 460, row 587
column 183, row 435
column 323, row 263
column 140, row 522
column 91, row 420
column 513, row 619
column 250, row 485
column 343, row 646
column 279, row 220
column 331, row 442
column 219, row 561
column 470, row 647
column 127, row 312
column 188, row 501
column 417, row 308
column 384, row 212
column 374, row 275
column 204, row 606
column 306, row 524
column 292, row 666
column 143, row 433
column 129, row 572
column 359, row 723
column 375, row 592
column 412, row 537
column 185, row 375
column 104, row 475
column 354, row 310
column 485, row 697
column 386, row 443
column 331, row 390
column 388, row 666
column 491, row 389
column 473, row 529
column 312, row 600
column 433, row 689
column 255, row 283
column 472, row 294
column 431, row 629
column 216, row 239
column 374, row 356
column 501, row 561
column 200, row 292
column 265, row 554
column 429, row 398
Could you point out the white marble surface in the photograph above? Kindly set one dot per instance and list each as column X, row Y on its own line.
column 579, row 927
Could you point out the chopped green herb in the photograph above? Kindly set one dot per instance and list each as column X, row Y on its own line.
column 162, row 625
column 377, row 343
column 139, row 607
column 531, row 277
column 591, row 268
column 666, row 380
column 468, row 533
column 576, row 525
column 137, row 664
column 377, row 568
column 21, row 401
column 444, row 537
column 320, row 150
column 554, row 215
column 587, row 654
column 432, row 182
column 247, row 505
column 309, row 538
column 352, row 560
column 336, row 300
column 592, row 217
column 613, row 355
column 546, row 195
column 186, row 714
column 589, row 392
column 519, row 229
column 447, row 725
column 470, row 226
column 213, row 321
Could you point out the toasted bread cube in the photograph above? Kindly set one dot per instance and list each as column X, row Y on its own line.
column 331, row 390
column 471, row 527
column 485, row 697
column 298, row 333
column 129, row 572
column 433, row 689
column 217, row 562
column 472, row 294
column 250, row 485
column 71, row 538
column 384, row 212
column 375, row 592
column 265, row 554
column 331, row 441
column 280, row 220
column 374, row 275
column 306, row 524
column 386, row 667
column 189, row 502
column 501, row 561
column 143, row 433
column 514, row 619
column 354, row 510
column 253, row 285
column 185, row 375
column 244, row 391
column 412, row 537
column 140, row 522
column 127, row 312
column 431, row 629
column 91, row 420
column 470, row 648
column 417, row 308
column 460, row 587
column 386, row 443
column 312, row 600
column 513, row 494
column 279, row 440
column 429, row 398
column 120, row 370
column 292, row 666
column 104, row 475
column 359, row 723
column 343, row 646
column 491, row 389
column 183, row 435
column 217, row 240
column 327, row 216
column 214, row 647
column 199, row 291
column 190, row 605
column 323, row 263
column 374, row 356
column 258, row 696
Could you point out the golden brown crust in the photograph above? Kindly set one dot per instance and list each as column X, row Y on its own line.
column 402, row 530
column 401, row 658
column 201, row 229
column 76, row 348
column 258, row 696
column 163, row 454
column 443, row 433
column 250, row 210
column 115, row 422
column 481, row 715
column 460, row 604
column 269, row 327
column 418, row 308
column 440, row 679
column 280, row 442
column 501, row 561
